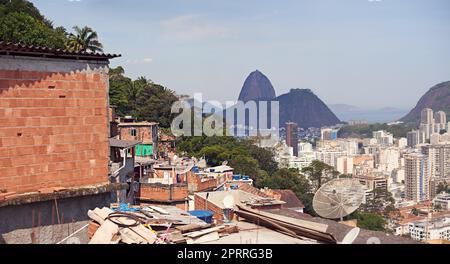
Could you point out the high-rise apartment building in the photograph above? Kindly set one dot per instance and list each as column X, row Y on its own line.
column 292, row 136
column 427, row 116
column 413, row 138
column 417, row 177
column 439, row 160
column 329, row 134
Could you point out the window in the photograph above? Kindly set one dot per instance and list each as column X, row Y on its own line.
column 133, row 132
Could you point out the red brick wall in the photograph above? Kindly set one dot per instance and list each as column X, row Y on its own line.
column 200, row 202
column 143, row 133
column 196, row 184
column 53, row 129
column 160, row 192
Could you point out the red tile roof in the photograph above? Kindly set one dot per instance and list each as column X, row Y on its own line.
column 9, row 48
column 290, row 198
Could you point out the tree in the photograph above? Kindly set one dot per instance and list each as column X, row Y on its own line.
column 443, row 187
column 153, row 102
column 371, row 221
column 141, row 98
column 291, row 179
column 319, row 173
column 23, row 28
column 84, row 39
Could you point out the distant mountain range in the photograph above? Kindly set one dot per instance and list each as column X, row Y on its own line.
column 437, row 98
column 380, row 115
column 301, row 106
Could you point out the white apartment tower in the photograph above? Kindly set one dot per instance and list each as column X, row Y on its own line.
column 439, row 160
column 440, row 118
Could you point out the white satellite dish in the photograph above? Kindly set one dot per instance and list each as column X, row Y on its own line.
column 351, row 236
column 184, row 167
column 228, row 201
column 338, row 198
column 202, row 164
column 225, row 163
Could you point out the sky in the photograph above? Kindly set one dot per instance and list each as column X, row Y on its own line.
column 367, row 53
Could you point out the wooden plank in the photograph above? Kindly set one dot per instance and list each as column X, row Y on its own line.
column 204, row 232
column 159, row 210
column 229, row 230
column 191, row 228
column 104, row 212
column 293, row 221
column 143, row 232
column 214, row 236
column 130, row 237
column 95, row 217
column 105, row 233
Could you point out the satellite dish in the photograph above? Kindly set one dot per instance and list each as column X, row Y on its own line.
column 202, row 164
column 225, row 163
column 228, row 201
column 351, row 236
column 184, row 167
column 338, row 198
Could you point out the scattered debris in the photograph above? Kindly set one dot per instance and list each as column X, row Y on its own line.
column 151, row 225
column 290, row 226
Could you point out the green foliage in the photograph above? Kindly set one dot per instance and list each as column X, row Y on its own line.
column 292, row 180
column 443, row 187
column 241, row 154
column 84, row 39
column 22, row 6
column 371, row 221
column 21, row 22
column 141, row 98
column 320, row 173
column 398, row 131
column 21, row 27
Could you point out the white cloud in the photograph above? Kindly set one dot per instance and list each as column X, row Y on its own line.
column 74, row 1
column 147, row 60
column 193, row 27
column 140, row 61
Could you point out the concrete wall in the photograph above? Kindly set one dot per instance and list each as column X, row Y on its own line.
column 38, row 222
column 124, row 174
column 54, row 123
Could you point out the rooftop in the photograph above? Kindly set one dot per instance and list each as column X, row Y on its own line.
column 240, row 198
column 117, row 143
column 145, row 123
column 18, row 49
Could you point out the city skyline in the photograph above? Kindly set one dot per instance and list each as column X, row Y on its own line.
column 360, row 47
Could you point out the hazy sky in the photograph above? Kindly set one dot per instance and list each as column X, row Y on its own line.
column 369, row 53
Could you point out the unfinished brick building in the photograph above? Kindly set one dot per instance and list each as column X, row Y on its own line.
column 54, row 150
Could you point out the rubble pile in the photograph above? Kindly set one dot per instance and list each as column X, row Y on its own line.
column 123, row 224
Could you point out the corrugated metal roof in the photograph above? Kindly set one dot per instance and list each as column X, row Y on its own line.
column 144, row 123
column 117, row 143
column 9, row 48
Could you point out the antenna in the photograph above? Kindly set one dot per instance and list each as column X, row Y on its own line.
column 338, row 198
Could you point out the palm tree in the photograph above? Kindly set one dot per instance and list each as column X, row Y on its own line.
column 84, row 39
